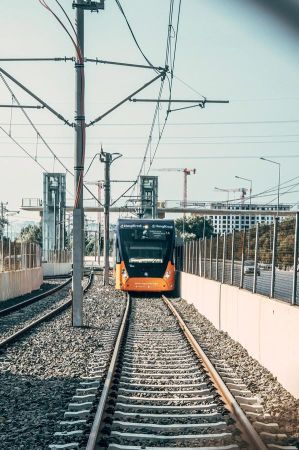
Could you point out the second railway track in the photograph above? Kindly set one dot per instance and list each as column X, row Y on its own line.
column 160, row 393
column 21, row 318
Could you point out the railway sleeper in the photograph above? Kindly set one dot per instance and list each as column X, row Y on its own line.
column 138, row 447
column 177, row 437
column 163, row 416
column 168, row 427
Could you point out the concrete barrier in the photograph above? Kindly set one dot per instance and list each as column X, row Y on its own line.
column 20, row 282
column 267, row 328
column 54, row 269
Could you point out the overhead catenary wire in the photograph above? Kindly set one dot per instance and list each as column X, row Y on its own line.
column 169, row 61
column 23, row 149
column 175, row 124
column 80, row 59
column 133, row 35
column 39, row 136
column 32, row 124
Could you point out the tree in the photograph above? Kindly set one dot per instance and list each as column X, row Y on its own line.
column 32, row 233
column 193, row 227
column 3, row 222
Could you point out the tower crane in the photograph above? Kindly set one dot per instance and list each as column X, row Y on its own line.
column 242, row 190
column 186, row 172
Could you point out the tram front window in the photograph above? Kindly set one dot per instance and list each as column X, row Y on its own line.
column 146, row 244
column 146, row 252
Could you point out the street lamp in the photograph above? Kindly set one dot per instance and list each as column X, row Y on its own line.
column 250, row 181
column 278, row 186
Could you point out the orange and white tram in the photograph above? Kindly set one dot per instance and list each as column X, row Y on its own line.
column 144, row 252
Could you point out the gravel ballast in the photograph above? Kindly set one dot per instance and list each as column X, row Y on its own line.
column 39, row 375
column 282, row 407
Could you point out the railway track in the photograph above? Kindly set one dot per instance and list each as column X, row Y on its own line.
column 23, row 317
column 161, row 392
column 34, row 299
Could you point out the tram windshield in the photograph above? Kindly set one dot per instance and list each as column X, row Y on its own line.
column 146, row 243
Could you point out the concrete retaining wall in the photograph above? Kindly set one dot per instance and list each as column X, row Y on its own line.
column 267, row 328
column 54, row 269
column 20, row 282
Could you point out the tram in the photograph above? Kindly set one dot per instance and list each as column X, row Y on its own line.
column 144, row 255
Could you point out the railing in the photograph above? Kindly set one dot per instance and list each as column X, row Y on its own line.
column 263, row 259
column 31, row 202
column 15, row 255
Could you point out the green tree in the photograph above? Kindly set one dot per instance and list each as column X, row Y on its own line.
column 195, row 227
column 32, row 233
column 3, row 222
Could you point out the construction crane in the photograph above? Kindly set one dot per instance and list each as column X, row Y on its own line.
column 186, row 172
column 242, row 190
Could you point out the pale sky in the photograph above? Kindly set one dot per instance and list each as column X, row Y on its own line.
column 227, row 49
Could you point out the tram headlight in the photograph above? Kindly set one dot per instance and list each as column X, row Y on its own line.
column 124, row 274
column 167, row 274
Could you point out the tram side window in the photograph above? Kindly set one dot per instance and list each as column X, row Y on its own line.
column 117, row 254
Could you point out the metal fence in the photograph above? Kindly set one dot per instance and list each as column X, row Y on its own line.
column 58, row 256
column 263, row 259
column 15, row 255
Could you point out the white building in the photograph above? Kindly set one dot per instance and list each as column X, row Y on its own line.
column 237, row 222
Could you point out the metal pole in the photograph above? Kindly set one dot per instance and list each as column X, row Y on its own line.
column 217, row 256
column 193, row 257
column 223, row 257
column 99, row 223
column 200, row 261
column 78, row 213
column 2, row 255
column 9, row 254
column 242, row 260
column 184, row 257
column 211, row 254
column 278, row 188
column 107, row 161
column 197, row 258
column 272, row 289
column 187, row 256
column 205, row 257
column 232, row 269
column 294, row 291
column 255, row 257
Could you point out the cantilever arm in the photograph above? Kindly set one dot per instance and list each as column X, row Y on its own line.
column 160, row 75
column 45, row 105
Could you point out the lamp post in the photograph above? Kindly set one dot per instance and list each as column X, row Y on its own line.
column 278, row 186
column 250, row 181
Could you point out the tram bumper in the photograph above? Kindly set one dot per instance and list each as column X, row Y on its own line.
column 148, row 285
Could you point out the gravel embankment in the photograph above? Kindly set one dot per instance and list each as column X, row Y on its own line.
column 276, row 401
column 46, row 286
column 39, row 375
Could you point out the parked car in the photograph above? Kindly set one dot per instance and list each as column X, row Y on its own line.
column 249, row 268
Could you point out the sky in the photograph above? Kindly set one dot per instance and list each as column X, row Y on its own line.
column 226, row 50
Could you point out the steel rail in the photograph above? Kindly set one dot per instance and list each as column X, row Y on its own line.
column 10, row 309
column 44, row 318
column 249, row 433
column 93, row 436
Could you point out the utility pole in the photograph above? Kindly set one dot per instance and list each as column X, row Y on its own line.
column 78, row 213
column 80, row 127
column 107, row 159
column 100, row 185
